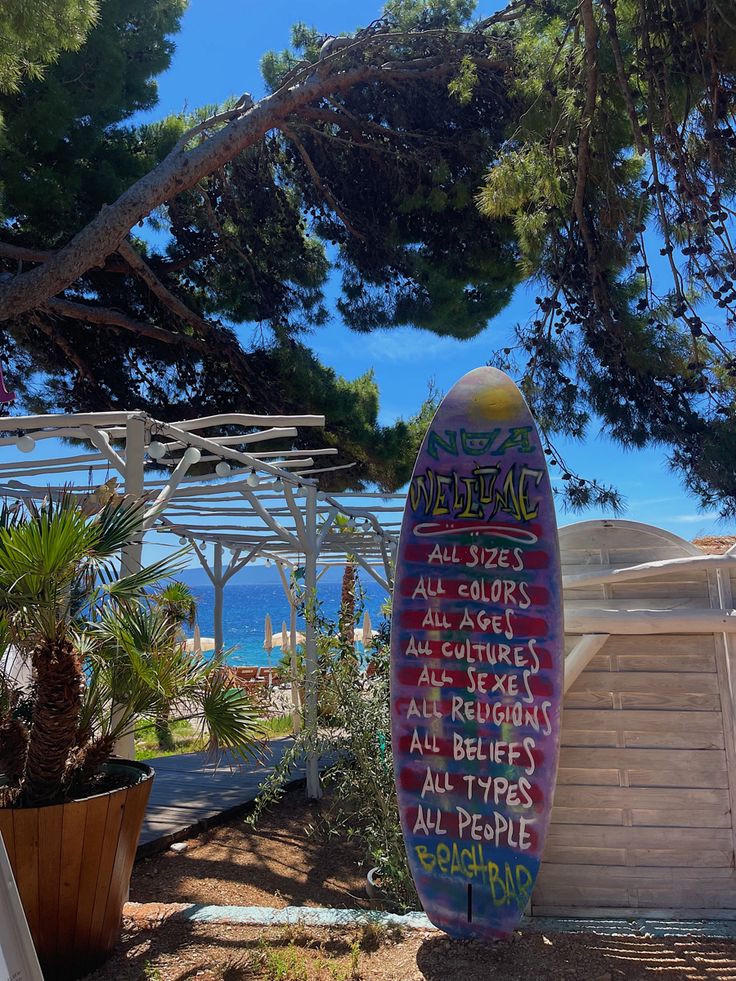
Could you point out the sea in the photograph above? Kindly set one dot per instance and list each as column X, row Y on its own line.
column 246, row 605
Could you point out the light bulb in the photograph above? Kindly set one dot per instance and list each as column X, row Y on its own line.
column 223, row 469
column 25, row 443
column 252, row 479
column 183, row 540
column 191, row 456
column 156, row 450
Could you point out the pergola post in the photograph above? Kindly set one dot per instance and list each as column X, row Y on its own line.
column 311, row 683
column 296, row 706
column 131, row 555
column 218, row 582
column 135, row 448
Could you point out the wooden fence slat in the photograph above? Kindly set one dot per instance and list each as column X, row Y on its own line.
column 636, row 857
column 640, row 797
column 663, row 818
column 678, row 839
column 700, row 663
column 642, row 729
column 602, row 698
column 648, row 682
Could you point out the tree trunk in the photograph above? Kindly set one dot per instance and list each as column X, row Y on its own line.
column 346, row 618
column 162, row 726
column 13, row 753
column 55, row 721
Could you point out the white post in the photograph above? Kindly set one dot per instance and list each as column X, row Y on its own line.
column 311, row 684
column 218, row 583
column 131, row 555
column 296, row 702
column 135, row 432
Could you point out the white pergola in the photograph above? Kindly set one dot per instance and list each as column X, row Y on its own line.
column 253, row 501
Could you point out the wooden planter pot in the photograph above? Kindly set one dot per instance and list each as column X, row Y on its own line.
column 72, row 863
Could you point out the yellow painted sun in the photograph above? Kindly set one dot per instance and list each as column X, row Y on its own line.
column 496, row 400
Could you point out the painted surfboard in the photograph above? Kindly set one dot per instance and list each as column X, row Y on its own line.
column 477, row 659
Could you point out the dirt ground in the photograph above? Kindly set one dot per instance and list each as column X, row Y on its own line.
column 178, row 951
column 279, row 863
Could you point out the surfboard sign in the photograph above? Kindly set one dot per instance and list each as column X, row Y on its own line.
column 477, row 659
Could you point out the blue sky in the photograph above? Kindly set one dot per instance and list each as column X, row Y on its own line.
column 217, row 55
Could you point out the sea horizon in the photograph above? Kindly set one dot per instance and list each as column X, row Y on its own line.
column 246, row 605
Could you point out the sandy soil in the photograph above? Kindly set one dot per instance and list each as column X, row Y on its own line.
column 288, row 859
column 178, row 951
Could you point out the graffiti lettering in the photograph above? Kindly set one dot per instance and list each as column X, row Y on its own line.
column 483, row 494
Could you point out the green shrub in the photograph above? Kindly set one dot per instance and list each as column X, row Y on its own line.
column 356, row 733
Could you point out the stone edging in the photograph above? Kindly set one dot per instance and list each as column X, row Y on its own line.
column 153, row 914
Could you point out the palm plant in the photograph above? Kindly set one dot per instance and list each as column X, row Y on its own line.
column 101, row 652
column 176, row 602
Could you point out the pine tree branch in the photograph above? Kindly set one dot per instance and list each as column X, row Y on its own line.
column 216, row 340
column 75, row 359
column 144, row 272
column 510, row 13
column 22, row 253
column 107, row 317
column 323, row 190
column 230, row 239
column 586, row 121
column 623, row 82
column 182, row 168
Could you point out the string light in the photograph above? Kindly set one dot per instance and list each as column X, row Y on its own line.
column 252, row 478
column 191, row 456
column 183, row 540
column 156, row 450
column 25, row 443
column 223, row 469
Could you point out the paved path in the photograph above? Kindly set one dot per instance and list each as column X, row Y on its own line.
column 191, row 790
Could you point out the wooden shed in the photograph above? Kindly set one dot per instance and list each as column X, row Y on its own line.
column 643, row 819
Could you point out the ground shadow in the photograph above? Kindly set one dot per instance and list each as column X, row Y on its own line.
column 279, row 862
column 578, row 957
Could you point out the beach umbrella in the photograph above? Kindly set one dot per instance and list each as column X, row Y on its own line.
column 197, row 639
column 286, row 644
column 367, row 629
column 205, row 644
column 268, row 633
column 283, row 644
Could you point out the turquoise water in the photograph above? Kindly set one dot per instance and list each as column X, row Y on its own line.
column 247, row 604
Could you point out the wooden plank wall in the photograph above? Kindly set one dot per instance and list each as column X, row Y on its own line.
column 643, row 816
